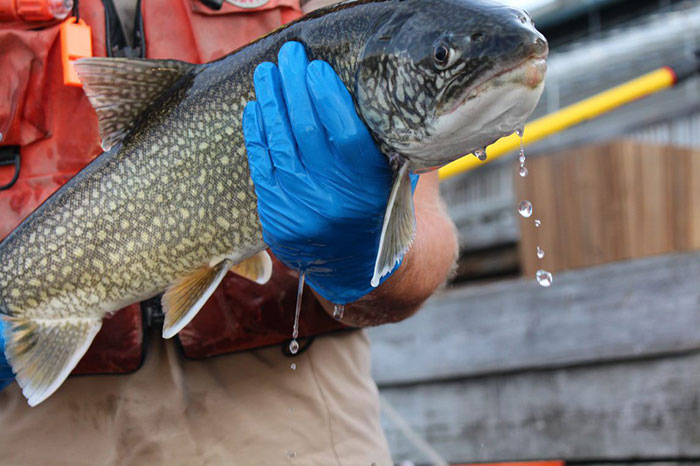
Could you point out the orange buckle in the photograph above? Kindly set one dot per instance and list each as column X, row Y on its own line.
column 76, row 42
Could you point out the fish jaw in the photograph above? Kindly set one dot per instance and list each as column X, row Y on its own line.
column 488, row 111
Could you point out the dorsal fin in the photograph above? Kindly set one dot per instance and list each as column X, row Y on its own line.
column 120, row 89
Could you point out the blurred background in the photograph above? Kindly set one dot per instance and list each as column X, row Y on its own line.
column 603, row 367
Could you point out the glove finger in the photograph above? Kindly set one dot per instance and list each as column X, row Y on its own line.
column 280, row 139
column 310, row 136
column 336, row 112
column 259, row 161
column 414, row 182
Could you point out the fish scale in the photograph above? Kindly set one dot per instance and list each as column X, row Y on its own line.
column 170, row 205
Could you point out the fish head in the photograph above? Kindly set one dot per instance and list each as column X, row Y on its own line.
column 444, row 78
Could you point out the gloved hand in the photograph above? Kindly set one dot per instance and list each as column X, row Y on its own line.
column 6, row 375
column 322, row 184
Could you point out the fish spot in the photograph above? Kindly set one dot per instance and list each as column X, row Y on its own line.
column 223, row 222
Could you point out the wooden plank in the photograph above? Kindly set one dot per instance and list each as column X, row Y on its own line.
column 610, row 202
column 624, row 310
column 492, row 262
column 646, row 410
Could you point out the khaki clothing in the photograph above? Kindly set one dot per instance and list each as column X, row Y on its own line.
column 247, row 408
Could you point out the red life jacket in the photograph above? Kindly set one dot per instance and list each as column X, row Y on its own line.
column 54, row 129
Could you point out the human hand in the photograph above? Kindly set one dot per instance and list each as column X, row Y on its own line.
column 6, row 375
column 321, row 182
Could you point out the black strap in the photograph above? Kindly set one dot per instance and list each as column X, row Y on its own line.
column 9, row 155
column 213, row 4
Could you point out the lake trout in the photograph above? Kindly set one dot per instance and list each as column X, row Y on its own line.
column 170, row 205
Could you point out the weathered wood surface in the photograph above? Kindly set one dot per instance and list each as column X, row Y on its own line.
column 609, row 202
column 631, row 309
column 644, row 409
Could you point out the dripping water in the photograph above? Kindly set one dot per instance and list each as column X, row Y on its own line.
column 544, row 278
column 338, row 311
column 525, row 209
column 294, row 344
column 521, row 157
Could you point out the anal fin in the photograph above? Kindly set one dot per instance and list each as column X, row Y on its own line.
column 185, row 297
column 257, row 268
column 43, row 352
column 399, row 226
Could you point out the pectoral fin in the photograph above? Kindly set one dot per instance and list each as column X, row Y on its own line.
column 399, row 226
column 185, row 297
column 257, row 268
column 44, row 351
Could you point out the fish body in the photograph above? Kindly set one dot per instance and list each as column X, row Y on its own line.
column 170, row 204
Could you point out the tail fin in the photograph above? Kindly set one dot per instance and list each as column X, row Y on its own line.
column 43, row 352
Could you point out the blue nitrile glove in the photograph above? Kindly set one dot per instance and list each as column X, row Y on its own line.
column 6, row 375
column 322, row 184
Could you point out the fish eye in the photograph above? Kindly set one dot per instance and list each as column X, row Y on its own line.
column 443, row 55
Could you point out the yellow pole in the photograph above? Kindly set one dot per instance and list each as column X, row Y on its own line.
column 569, row 116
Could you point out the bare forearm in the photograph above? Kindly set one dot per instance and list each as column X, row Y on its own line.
column 424, row 268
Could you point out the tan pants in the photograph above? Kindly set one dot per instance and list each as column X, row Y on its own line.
column 248, row 408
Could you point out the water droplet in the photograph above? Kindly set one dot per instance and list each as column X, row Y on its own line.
column 540, row 252
column 338, row 311
column 520, row 131
column 481, row 154
column 294, row 346
column 293, row 366
column 521, row 158
column 291, row 454
column 525, row 208
column 537, row 223
column 544, row 278
column 523, row 171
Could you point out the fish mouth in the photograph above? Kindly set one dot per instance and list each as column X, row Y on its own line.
column 529, row 72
